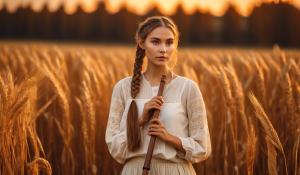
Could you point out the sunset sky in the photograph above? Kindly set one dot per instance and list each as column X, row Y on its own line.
column 141, row 7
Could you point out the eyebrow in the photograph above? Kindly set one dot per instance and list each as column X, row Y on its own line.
column 154, row 38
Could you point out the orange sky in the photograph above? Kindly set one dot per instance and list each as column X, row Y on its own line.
column 141, row 7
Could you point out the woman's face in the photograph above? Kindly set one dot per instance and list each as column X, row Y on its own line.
column 160, row 46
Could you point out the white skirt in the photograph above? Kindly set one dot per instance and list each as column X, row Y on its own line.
column 158, row 167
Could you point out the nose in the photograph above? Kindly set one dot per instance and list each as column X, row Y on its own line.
column 162, row 49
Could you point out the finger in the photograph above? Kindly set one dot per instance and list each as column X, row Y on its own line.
column 161, row 102
column 154, row 134
column 157, row 123
column 160, row 98
column 157, row 101
column 155, row 130
column 155, row 106
column 156, row 120
column 159, row 127
column 154, row 126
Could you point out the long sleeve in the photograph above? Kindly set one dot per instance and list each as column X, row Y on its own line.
column 197, row 145
column 115, row 138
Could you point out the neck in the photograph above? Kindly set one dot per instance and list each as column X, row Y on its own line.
column 154, row 73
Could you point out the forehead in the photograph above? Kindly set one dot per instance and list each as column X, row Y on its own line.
column 161, row 33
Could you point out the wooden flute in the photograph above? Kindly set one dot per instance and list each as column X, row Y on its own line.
column 154, row 114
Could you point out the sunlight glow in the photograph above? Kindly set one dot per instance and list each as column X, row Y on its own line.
column 89, row 6
column 1, row 5
column 139, row 7
column 38, row 6
column 142, row 7
column 54, row 5
column 167, row 8
column 113, row 6
column 12, row 6
column 70, row 6
column 296, row 3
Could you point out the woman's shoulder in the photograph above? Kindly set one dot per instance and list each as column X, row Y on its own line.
column 123, row 81
column 188, row 81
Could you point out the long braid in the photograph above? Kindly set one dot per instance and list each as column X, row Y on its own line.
column 133, row 131
column 137, row 75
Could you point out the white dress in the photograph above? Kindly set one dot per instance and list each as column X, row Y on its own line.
column 183, row 115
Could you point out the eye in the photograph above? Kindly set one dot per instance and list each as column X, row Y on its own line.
column 170, row 42
column 155, row 42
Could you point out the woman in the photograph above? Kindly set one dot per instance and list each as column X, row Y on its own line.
column 181, row 130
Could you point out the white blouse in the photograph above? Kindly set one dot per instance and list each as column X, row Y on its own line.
column 182, row 113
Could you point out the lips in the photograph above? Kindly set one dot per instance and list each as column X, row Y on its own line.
column 161, row 58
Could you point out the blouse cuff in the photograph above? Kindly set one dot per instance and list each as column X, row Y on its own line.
column 187, row 147
column 119, row 147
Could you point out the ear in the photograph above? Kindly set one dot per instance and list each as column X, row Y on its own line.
column 141, row 44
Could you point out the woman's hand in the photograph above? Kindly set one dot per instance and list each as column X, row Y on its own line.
column 157, row 129
column 155, row 103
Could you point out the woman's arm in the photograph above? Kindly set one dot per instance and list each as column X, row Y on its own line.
column 197, row 145
column 115, row 138
column 176, row 143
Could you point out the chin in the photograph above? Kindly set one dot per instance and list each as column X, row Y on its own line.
column 161, row 63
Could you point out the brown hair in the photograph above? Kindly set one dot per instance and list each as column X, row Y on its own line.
column 144, row 28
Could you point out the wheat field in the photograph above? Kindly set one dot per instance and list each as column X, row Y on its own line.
column 54, row 102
